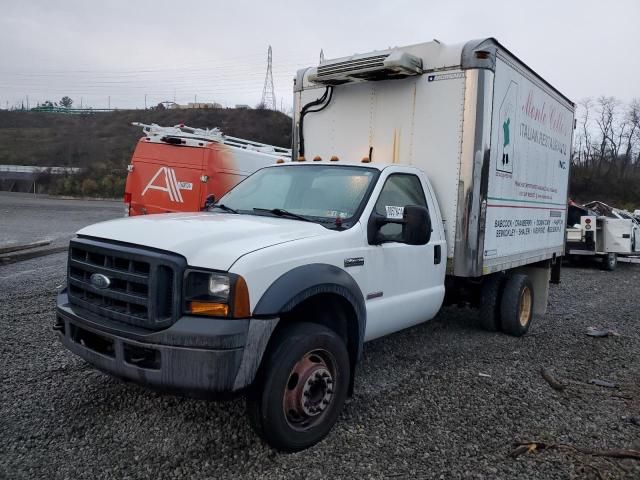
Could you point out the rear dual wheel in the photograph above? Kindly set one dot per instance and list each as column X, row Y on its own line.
column 516, row 307
column 507, row 304
column 301, row 388
column 490, row 297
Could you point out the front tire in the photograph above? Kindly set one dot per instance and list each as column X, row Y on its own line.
column 516, row 307
column 301, row 387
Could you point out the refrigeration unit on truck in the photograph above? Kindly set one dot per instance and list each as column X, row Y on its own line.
column 425, row 175
column 598, row 230
column 180, row 168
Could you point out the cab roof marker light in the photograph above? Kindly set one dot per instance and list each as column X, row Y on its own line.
column 334, row 158
column 317, row 158
column 280, row 160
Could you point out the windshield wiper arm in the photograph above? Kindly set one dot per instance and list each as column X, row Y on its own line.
column 222, row 206
column 282, row 213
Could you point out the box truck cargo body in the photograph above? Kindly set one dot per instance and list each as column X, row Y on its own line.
column 493, row 137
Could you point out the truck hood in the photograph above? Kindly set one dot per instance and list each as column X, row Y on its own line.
column 209, row 240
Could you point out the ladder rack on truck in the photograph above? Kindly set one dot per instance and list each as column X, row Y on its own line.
column 210, row 135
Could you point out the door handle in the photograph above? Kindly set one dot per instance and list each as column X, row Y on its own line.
column 437, row 254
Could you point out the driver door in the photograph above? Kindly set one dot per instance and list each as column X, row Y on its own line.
column 405, row 283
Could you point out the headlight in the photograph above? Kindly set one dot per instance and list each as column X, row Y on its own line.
column 219, row 285
column 216, row 295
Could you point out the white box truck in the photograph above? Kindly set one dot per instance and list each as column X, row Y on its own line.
column 427, row 174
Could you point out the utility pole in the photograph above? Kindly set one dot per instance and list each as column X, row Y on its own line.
column 195, row 101
column 109, row 102
column 145, row 101
column 27, row 102
column 321, row 55
column 268, row 95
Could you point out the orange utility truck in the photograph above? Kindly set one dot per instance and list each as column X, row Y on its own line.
column 183, row 169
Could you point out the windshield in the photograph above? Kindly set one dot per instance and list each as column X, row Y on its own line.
column 319, row 192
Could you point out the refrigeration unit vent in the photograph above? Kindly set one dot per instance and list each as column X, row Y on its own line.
column 384, row 65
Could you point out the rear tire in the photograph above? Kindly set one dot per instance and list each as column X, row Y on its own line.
column 610, row 262
column 490, row 296
column 301, row 387
column 516, row 306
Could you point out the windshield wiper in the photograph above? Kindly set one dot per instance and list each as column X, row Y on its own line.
column 279, row 212
column 222, row 206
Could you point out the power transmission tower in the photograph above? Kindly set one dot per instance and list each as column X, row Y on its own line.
column 268, row 95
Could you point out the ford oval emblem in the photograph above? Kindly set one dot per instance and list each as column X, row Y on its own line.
column 99, row 281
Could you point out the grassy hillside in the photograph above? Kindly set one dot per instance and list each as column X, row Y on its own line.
column 102, row 143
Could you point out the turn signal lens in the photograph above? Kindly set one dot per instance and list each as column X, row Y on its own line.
column 241, row 306
column 209, row 308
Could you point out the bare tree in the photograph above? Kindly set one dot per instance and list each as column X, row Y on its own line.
column 632, row 135
column 606, row 150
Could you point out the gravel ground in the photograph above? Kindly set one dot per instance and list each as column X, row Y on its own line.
column 422, row 409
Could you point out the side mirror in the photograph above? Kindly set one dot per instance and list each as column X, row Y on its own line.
column 416, row 229
column 415, row 221
column 209, row 202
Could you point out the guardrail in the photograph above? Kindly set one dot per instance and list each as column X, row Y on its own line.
column 37, row 169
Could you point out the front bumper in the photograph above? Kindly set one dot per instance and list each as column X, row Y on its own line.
column 193, row 356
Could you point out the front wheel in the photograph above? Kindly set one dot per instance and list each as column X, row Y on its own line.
column 301, row 387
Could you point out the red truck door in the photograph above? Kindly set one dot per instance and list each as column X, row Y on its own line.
column 165, row 178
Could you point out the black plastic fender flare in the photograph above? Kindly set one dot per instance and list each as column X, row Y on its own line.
column 301, row 283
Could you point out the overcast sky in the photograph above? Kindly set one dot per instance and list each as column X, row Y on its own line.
column 216, row 51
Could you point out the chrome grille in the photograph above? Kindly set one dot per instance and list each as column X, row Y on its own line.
column 143, row 284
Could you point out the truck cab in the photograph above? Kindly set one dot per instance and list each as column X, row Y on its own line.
column 296, row 267
column 180, row 168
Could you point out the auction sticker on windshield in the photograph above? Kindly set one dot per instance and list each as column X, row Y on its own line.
column 394, row 213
